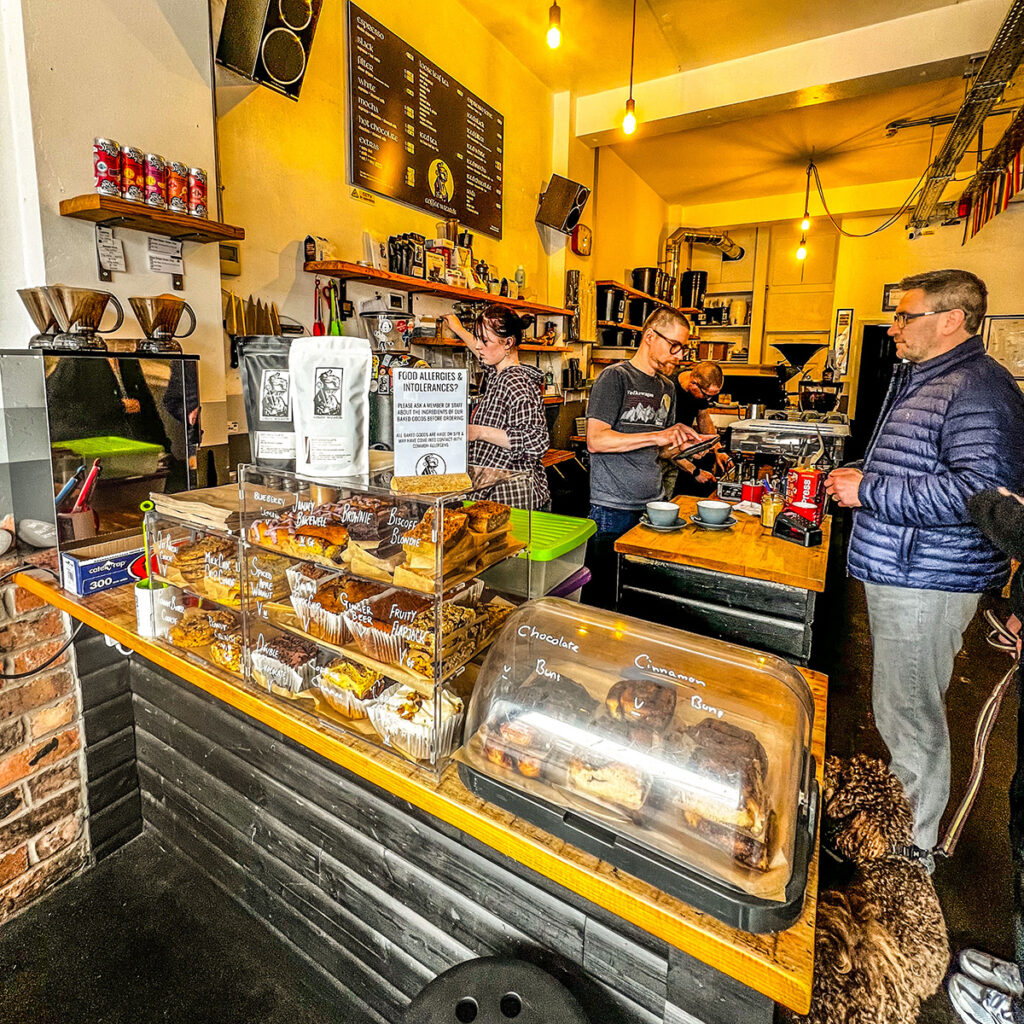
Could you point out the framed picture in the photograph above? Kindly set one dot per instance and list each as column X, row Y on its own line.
column 841, row 341
column 891, row 295
column 1004, row 339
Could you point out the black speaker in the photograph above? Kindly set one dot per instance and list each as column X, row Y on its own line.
column 268, row 41
column 561, row 205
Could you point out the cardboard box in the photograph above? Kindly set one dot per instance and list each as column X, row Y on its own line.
column 89, row 568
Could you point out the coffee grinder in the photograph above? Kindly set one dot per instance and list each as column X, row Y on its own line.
column 42, row 316
column 158, row 315
column 78, row 312
column 814, row 395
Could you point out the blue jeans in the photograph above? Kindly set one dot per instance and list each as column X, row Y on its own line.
column 915, row 635
column 602, row 561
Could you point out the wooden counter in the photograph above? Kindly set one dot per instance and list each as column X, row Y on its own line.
column 748, row 549
column 778, row 966
column 740, row 584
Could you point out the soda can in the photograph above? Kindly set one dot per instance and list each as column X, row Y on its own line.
column 197, row 192
column 133, row 175
column 805, row 493
column 106, row 166
column 156, row 181
column 177, row 187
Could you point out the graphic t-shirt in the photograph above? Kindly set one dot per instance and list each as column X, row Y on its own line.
column 630, row 402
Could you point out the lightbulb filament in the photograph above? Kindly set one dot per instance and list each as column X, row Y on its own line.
column 629, row 121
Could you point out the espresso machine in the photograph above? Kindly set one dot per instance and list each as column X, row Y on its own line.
column 159, row 315
column 78, row 312
column 42, row 316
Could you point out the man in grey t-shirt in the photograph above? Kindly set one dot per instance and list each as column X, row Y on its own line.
column 630, row 417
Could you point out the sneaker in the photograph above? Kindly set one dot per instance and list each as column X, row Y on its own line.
column 977, row 1003
column 990, row 970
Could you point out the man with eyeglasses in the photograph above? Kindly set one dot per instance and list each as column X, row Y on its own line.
column 696, row 390
column 952, row 425
column 631, row 416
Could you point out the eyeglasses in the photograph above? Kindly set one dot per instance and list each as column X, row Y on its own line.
column 674, row 347
column 902, row 319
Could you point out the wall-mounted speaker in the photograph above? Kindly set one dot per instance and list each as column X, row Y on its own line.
column 268, row 41
column 561, row 205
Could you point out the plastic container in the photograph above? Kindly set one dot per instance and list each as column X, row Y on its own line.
column 681, row 759
column 120, row 456
column 558, row 545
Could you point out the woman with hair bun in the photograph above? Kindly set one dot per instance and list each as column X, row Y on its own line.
column 507, row 428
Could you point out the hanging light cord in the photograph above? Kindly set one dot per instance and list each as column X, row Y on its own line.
column 812, row 168
column 632, row 51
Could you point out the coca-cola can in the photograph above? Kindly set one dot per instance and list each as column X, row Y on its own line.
column 197, row 192
column 177, row 187
column 805, row 493
column 156, row 181
column 133, row 175
column 106, row 166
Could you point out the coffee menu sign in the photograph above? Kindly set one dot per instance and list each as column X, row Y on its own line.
column 417, row 135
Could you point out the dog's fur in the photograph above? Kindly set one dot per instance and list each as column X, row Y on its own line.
column 880, row 945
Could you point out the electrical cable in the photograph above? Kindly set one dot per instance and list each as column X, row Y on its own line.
column 888, row 222
column 70, row 640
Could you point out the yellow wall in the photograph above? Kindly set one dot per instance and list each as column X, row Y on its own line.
column 285, row 163
column 630, row 220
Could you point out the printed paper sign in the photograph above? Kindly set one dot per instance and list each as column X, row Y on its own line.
column 164, row 256
column 431, row 411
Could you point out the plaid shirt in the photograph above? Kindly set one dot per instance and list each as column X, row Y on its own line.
column 512, row 401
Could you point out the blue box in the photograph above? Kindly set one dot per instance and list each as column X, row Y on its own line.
column 94, row 567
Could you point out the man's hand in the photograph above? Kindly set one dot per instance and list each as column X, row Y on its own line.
column 704, row 477
column 722, row 461
column 1013, row 625
column 678, row 434
column 844, row 484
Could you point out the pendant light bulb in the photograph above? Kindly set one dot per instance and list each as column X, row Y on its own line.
column 801, row 252
column 554, row 26
column 629, row 121
column 805, row 223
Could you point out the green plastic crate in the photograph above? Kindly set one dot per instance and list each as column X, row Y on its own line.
column 119, row 456
column 558, row 545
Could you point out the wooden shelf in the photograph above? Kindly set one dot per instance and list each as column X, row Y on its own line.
column 619, row 327
column 724, row 327
column 345, row 271
column 527, row 346
column 634, row 293
column 120, row 213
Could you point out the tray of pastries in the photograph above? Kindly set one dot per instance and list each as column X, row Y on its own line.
column 679, row 758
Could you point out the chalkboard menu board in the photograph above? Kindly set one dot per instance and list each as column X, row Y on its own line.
column 417, row 135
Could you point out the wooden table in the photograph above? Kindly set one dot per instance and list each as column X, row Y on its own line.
column 779, row 966
column 740, row 584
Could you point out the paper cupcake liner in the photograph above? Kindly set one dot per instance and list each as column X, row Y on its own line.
column 303, row 608
column 302, row 586
column 329, row 626
column 345, row 702
column 272, row 672
column 375, row 643
column 412, row 739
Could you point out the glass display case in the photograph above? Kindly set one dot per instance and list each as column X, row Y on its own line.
column 681, row 759
column 366, row 606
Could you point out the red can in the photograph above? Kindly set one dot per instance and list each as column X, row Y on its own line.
column 177, row 187
column 197, row 192
column 156, row 181
column 133, row 175
column 106, row 166
column 805, row 493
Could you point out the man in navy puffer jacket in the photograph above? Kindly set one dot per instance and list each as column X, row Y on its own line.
column 952, row 425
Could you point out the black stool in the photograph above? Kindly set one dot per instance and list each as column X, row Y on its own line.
column 494, row 990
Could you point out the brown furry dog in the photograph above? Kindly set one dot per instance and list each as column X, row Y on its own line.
column 880, row 945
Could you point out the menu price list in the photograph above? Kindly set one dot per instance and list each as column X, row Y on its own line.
column 417, row 135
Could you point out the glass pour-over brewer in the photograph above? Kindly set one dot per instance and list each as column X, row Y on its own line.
column 42, row 316
column 159, row 316
column 78, row 312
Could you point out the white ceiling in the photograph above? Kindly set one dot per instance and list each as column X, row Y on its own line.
column 757, row 155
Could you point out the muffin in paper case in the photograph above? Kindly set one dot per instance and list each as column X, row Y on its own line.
column 404, row 718
column 348, row 688
column 287, row 662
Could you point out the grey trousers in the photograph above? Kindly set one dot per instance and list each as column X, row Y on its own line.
column 915, row 635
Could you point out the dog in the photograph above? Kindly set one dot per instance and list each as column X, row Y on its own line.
column 880, row 946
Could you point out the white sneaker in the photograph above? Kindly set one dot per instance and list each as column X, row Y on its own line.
column 977, row 1003
column 990, row 970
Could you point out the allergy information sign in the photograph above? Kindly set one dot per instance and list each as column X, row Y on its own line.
column 431, row 408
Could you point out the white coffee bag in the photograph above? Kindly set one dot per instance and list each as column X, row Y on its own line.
column 330, row 384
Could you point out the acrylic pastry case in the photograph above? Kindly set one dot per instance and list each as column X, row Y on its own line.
column 681, row 759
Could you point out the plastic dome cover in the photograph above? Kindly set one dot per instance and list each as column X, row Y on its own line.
column 681, row 744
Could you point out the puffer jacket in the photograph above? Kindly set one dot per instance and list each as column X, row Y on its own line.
column 950, row 427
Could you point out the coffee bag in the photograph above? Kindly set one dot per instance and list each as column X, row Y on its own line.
column 266, row 389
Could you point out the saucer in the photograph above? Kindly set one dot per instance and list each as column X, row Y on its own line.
column 677, row 525
column 697, row 521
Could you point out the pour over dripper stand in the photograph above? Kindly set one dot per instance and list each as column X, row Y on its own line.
column 159, row 316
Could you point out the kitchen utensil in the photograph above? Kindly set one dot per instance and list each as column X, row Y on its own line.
column 645, row 279
column 713, row 512
column 69, row 486
column 275, row 319
column 335, row 327
column 250, row 316
column 693, row 286
column 662, row 513
column 159, row 316
column 90, row 480
column 738, row 312
column 78, row 312
column 42, row 315
column 752, row 490
column 318, row 320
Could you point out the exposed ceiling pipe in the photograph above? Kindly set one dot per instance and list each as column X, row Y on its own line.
column 699, row 236
column 1002, row 61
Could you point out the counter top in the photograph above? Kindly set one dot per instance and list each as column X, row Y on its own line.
column 748, row 549
column 779, row 966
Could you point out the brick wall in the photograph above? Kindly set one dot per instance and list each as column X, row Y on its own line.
column 43, row 838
